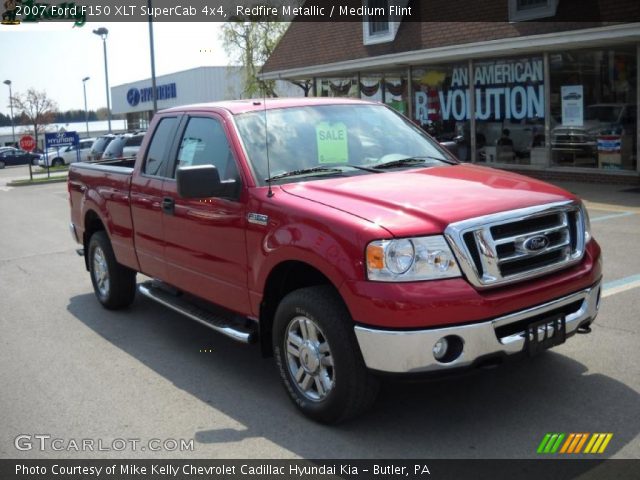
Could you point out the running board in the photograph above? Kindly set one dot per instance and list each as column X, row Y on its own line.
column 200, row 315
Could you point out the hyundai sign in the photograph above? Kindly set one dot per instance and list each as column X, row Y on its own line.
column 61, row 139
column 142, row 95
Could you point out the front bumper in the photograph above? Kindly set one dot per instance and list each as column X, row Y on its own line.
column 411, row 351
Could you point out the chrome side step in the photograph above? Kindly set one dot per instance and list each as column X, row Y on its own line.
column 215, row 322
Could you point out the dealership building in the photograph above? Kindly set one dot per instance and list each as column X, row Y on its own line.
column 196, row 85
column 564, row 92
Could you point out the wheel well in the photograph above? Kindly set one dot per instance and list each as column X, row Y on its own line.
column 283, row 279
column 92, row 224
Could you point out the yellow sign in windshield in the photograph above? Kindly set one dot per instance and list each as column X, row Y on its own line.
column 331, row 139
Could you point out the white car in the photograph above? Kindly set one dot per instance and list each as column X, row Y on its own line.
column 69, row 154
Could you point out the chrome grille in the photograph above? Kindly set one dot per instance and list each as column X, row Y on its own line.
column 518, row 245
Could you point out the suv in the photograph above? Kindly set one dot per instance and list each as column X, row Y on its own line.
column 67, row 154
column 123, row 146
column 99, row 146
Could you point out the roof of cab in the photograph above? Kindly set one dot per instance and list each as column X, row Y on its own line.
column 236, row 107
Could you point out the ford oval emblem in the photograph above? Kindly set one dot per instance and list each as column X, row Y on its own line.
column 536, row 243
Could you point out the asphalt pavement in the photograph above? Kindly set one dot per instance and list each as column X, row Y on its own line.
column 72, row 371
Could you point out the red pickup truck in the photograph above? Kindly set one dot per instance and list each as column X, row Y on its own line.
column 342, row 238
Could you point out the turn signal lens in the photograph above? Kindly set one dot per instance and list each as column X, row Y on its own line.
column 375, row 257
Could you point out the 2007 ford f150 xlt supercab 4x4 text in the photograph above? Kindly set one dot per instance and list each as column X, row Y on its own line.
column 342, row 238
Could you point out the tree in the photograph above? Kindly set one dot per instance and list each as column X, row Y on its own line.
column 37, row 108
column 250, row 41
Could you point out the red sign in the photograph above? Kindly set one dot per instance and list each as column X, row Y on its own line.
column 27, row 143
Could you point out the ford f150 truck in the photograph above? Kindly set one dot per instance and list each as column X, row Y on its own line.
column 340, row 237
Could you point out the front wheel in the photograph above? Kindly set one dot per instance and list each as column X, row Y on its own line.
column 113, row 283
column 1, row 164
column 318, row 356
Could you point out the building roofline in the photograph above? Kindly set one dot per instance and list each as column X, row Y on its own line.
column 160, row 77
column 491, row 48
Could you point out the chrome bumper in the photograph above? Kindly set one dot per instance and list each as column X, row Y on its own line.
column 412, row 351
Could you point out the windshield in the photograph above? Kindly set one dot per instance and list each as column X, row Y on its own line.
column 603, row 113
column 349, row 139
column 100, row 144
column 115, row 147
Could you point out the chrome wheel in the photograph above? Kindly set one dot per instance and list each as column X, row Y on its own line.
column 101, row 272
column 309, row 358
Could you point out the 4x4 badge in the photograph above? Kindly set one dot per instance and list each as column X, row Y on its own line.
column 258, row 218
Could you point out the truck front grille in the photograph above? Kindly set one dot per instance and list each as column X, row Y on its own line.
column 518, row 245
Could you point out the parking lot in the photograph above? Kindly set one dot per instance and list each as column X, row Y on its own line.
column 72, row 370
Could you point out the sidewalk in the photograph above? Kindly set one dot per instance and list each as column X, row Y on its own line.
column 615, row 198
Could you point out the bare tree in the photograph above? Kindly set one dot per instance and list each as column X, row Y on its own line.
column 250, row 41
column 37, row 107
column 305, row 85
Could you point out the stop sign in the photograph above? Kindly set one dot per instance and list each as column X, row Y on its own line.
column 27, row 143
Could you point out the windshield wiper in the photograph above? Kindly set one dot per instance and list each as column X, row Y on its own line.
column 401, row 162
column 302, row 172
column 362, row 167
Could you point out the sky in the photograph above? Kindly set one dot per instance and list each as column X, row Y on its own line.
column 55, row 57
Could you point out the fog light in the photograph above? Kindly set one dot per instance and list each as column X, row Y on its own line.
column 440, row 349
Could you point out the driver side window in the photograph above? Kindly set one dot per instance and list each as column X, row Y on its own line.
column 204, row 142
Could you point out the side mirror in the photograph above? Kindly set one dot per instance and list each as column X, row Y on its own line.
column 203, row 181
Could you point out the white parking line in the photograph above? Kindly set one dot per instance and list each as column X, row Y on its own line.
column 620, row 285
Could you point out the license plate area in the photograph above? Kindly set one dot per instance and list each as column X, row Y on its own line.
column 544, row 334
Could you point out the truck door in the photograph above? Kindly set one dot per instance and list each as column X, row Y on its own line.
column 146, row 199
column 205, row 250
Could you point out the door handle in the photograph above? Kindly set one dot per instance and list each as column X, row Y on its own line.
column 168, row 205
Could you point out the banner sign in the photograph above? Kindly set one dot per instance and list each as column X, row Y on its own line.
column 504, row 90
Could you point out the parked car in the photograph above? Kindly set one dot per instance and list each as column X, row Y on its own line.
column 342, row 239
column 123, row 146
column 67, row 154
column 15, row 156
column 98, row 147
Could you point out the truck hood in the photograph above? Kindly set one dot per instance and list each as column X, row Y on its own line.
column 424, row 201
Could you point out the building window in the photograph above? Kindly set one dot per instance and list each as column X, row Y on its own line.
column 378, row 18
column 381, row 20
column 523, row 10
column 594, row 108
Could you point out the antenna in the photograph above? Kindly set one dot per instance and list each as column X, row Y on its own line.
column 266, row 141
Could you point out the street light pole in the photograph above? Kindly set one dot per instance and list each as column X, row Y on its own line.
column 13, row 128
column 86, row 112
column 153, row 61
column 102, row 33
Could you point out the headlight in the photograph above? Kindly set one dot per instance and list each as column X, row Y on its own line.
column 587, row 223
column 410, row 260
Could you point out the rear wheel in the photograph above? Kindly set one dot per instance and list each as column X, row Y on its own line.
column 318, row 356
column 113, row 283
column 58, row 162
column 1, row 164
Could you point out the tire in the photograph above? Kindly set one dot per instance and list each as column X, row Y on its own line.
column 113, row 284
column 58, row 162
column 314, row 341
column 1, row 164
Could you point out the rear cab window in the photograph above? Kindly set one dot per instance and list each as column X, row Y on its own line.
column 158, row 153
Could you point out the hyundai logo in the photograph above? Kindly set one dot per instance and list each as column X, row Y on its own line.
column 536, row 243
column 133, row 97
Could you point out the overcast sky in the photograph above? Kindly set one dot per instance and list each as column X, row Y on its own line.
column 56, row 57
